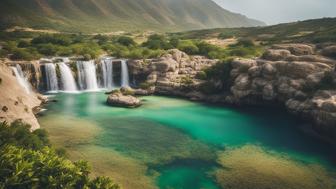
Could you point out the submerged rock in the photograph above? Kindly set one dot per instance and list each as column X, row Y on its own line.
column 120, row 100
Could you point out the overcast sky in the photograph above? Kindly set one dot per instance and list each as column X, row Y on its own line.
column 279, row 11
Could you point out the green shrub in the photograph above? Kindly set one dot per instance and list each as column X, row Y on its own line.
column 24, row 54
column 241, row 52
column 102, row 182
column 47, row 49
column 136, row 54
column 226, row 35
column 188, row 47
column 174, row 41
column 220, row 72
column 126, row 41
column 23, row 44
column 245, row 42
column 187, row 83
column 156, row 42
column 10, row 46
column 205, row 48
column 27, row 161
column 64, row 51
column 201, row 75
column 18, row 134
column 56, row 39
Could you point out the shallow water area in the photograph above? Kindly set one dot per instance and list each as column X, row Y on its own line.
column 174, row 143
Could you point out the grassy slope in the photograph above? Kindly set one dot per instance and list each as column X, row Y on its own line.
column 109, row 15
column 315, row 31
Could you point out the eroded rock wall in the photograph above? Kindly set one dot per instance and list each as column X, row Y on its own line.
column 15, row 102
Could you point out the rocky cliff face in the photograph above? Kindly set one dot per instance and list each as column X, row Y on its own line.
column 15, row 102
column 290, row 75
column 172, row 74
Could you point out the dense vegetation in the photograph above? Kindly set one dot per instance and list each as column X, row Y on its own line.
column 28, row 46
column 27, row 160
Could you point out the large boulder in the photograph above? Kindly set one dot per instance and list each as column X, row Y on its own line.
column 330, row 51
column 165, row 64
column 120, row 100
column 296, row 49
column 276, row 54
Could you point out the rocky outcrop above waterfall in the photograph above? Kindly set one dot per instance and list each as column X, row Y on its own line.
column 31, row 70
column 15, row 102
column 173, row 74
column 122, row 99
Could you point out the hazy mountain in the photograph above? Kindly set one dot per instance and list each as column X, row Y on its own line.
column 107, row 15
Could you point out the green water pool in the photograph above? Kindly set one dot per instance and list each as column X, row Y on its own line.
column 171, row 143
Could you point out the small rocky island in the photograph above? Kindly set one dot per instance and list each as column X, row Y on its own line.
column 123, row 98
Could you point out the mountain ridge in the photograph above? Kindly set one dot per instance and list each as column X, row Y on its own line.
column 116, row 15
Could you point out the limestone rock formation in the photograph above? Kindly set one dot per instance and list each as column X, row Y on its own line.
column 172, row 74
column 15, row 102
column 120, row 100
column 290, row 74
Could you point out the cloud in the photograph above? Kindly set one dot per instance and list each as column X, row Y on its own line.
column 279, row 11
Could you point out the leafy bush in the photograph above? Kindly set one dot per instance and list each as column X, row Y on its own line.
column 206, row 48
column 18, row 134
column 245, row 42
column 226, row 35
column 220, row 72
column 27, row 161
column 126, row 41
column 186, row 83
column 24, row 54
column 23, row 44
column 56, row 39
column 188, row 47
column 156, row 42
column 47, row 49
column 201, row 75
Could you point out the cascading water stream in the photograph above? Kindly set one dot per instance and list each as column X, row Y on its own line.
column 107, row 73
column 87, row 78
column 68, row 81
column 51, row 77
column 124, row 74
column 21, row 78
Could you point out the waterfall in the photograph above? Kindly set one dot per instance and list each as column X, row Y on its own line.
column 68, row 81
column 124, row 74
column 107, row 73
column 87, row 78
column 51, row 77
column 21, row 78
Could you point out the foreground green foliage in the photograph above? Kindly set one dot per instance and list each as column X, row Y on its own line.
column 28, row 161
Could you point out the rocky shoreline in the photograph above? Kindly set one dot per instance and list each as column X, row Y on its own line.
column 296, row 76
